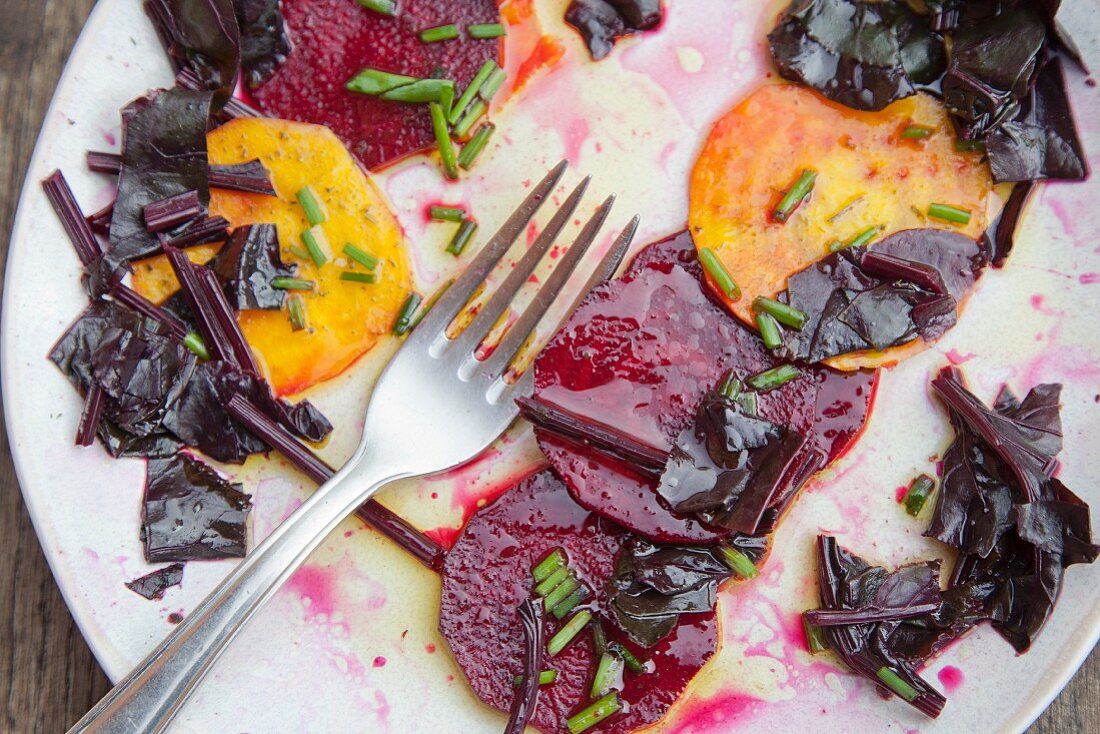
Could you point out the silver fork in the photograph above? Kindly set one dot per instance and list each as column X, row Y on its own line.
column 431, row 385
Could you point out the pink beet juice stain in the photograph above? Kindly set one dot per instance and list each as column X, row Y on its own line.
column 951, row 678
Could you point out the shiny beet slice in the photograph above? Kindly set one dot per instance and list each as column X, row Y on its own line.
column 487, row 574
column 332, row 40
column 640, row 352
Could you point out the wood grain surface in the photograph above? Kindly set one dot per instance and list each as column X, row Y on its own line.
column 48, row 677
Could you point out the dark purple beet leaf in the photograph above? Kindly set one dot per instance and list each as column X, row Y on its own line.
column 153, row 585
column 248, row 263
column 602, row 22
column 190, row 513
column 201, row 35
column 264, row 43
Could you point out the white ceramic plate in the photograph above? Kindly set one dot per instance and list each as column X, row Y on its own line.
column 350, row 644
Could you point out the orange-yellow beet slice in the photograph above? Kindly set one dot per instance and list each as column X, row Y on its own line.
column 345, row 318
column 867, row 176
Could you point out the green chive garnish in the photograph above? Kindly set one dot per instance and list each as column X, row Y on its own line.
column 834, row 245
column 919, row 490
column 471, row 91
column 632, row 663
column 549, row 565
column 382, row 7
column 570, row 602
column 568, row 585
column 969, row 146
column 915, row 132
column 769, row 330
column 361, row 256
column 773, row 378
column 312, row 207
column 949, row 213
column 738, row 562
column 731, row 386
column 815, row 638
column 594, row 714
column 313, row 246
column 794, row 196
column 195, row 343
column 486, row 30
column 863, row 237
column 599, row 639
column 354, row 277
column 607, row 673
column 747, row 402
column 551, row 582
column 447, row 32
column 492, row 84
column 296, row 309
column 545, row 678
column 477, row 143
column 420, row 91
column 376, row 81
column 566, row 634
column 719, row 274
column 292, row 284
column 443, row 138
column 896, row 684
column 781, row 312
column 428, row 306
column 299, row 252
column 462, row 237
column 447, row 99
column 477, row 109
column 404, row 316
column 447, row 213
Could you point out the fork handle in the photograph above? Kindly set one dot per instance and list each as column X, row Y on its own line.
column 149, row 697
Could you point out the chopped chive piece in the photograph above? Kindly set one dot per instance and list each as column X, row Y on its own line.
column 815, row 638
column 471, row 91
column 404, row 316
column 447, row 32
column 570, row 602
column 834, row 245
column 568, row 585
column 477, row 143
column 447, row 213
column 492, row 84
column 781, row 312
column 420, row 91
column 462, row 237
column 863, row 237
column 382, row 7
column 633, row 664
column 949, row 213
column 917, row 494
column 376, row 81
column 195, row 343
column 419, row 315
column 296, row 309
column 447, row 99
column 969, row 146
column 794, row 196
column 738, row 562
column 896, row 684
column 914, row 132
column 546, row 677
column 443, row 138
column 486, row 30
column 607, row 673
column 731, row 386
column 769, row 330
column 314, row 214
column 594, row 714
column 355, row 277
column 361, row 256
column 551, row 582
column 299, row 252
column 566, row 634
column 309, row 238
column 747, row 401
column 477, row 109
column 548, row 565
column 292, row 284
column 718, row 273
column 599, row 639
column 773, row 378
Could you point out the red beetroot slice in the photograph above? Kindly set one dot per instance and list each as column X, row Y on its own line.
column 639, row 353
column 487, row 574
column 334, row 39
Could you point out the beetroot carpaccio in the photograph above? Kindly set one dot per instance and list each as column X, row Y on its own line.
column 332, row 40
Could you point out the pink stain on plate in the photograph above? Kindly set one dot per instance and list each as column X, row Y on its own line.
column 723, row 712
column 1089, row 278
column 380, row 662
column 900, row 492
column 951, row 678
column 955, row 357
column 317, row 588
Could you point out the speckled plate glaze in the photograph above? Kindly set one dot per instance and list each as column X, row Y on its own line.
column 351, row 642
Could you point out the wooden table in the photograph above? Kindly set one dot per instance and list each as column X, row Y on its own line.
column 48, row 677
